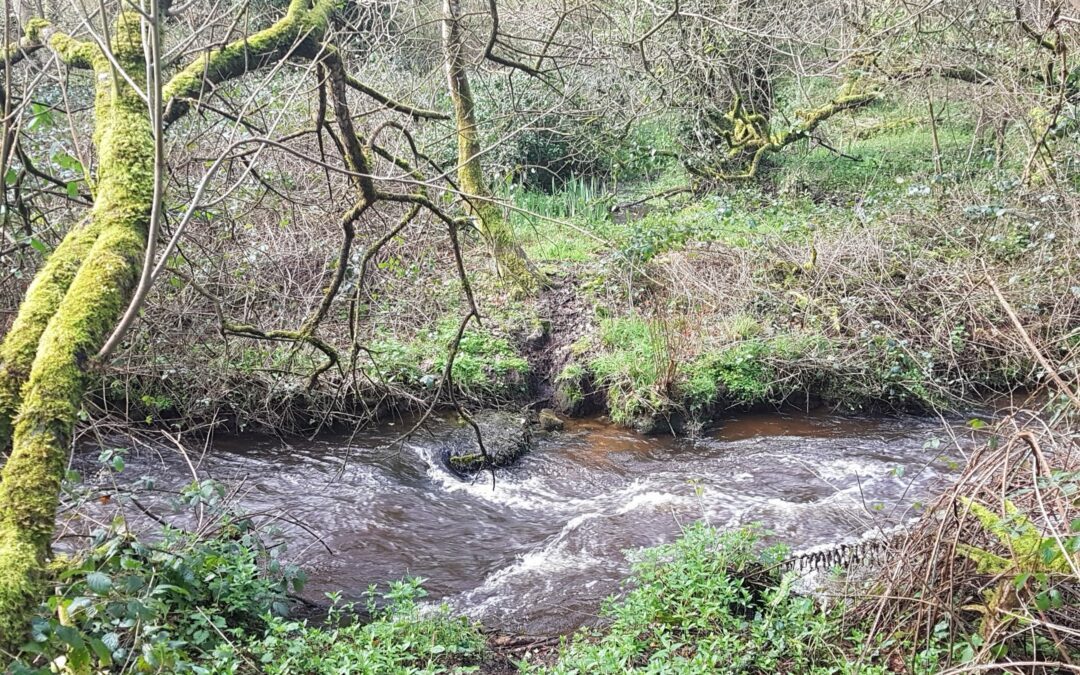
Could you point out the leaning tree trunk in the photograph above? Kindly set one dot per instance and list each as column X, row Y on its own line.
column 72, row 307
column 81, row 292
column 510, row 260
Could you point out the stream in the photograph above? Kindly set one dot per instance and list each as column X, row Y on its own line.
column 537, row 552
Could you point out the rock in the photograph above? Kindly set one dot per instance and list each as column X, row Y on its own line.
column 549, row 421
column 506, row 437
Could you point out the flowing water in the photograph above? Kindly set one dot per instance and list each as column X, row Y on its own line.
column 538, row 551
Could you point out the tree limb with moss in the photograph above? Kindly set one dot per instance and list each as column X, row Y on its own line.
column 748, row 134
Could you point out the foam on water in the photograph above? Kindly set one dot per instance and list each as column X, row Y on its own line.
column 539, row 551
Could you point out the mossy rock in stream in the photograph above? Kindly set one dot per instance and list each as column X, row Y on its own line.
column 507, row 436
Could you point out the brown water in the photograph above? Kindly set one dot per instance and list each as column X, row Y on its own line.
column 539, row 550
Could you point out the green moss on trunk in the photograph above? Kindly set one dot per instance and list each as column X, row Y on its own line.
column 98, row 294
column 298, row 33
column 42, row 299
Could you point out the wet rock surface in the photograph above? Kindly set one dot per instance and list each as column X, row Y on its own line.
column 506, row 437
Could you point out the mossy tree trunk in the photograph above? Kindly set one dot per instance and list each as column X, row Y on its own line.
column 510, row 260
column 80, row 293
column 73, row 323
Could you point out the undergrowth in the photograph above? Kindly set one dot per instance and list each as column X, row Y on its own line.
column 714, row 602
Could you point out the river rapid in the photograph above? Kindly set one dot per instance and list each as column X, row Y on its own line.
column 537, row 551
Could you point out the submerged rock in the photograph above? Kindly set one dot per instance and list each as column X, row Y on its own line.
column 549, row 421
column 506, row 437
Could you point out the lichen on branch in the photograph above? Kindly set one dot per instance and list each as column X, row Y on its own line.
column 748, row 134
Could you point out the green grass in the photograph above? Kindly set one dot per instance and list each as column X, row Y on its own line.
column 486, row 364
column 890, row 152
column 537, row 218
column 648, row 371
column 630, row 365
column 743, row 373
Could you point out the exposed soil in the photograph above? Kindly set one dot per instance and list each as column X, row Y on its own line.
column 566, row 318
column 505, row 651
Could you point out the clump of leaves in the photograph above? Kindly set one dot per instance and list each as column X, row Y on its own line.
column 711, row 603
column 159, row 605
column 401, row 637
column 160, row 602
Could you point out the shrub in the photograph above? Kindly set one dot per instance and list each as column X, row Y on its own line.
column 160, row 605
column 399, row 638
column 710, row 603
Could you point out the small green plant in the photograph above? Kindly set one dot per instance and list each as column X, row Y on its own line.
column 711, row 603
column 400, row 637
column 569, row 385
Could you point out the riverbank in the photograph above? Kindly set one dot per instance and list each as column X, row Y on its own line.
column 870, row 285
column 715, row 598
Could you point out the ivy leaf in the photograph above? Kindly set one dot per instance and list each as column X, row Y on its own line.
column 111, row 641
column 99, row 582
column 101, row 651
column 70, row 636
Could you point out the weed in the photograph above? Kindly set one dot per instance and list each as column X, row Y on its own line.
column 399, row 638
column 711, row 602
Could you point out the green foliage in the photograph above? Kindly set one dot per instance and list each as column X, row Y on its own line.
column 890, row 150
column 582, row 202
column 743, row 218
column 1030, row 551
column 630, row 364
column 163, row 604
column 399, row 638
column 569, row 384
column 647, row 370
column 746, row 373
column 898, row 373
column 485, row 364
column 711, row 603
